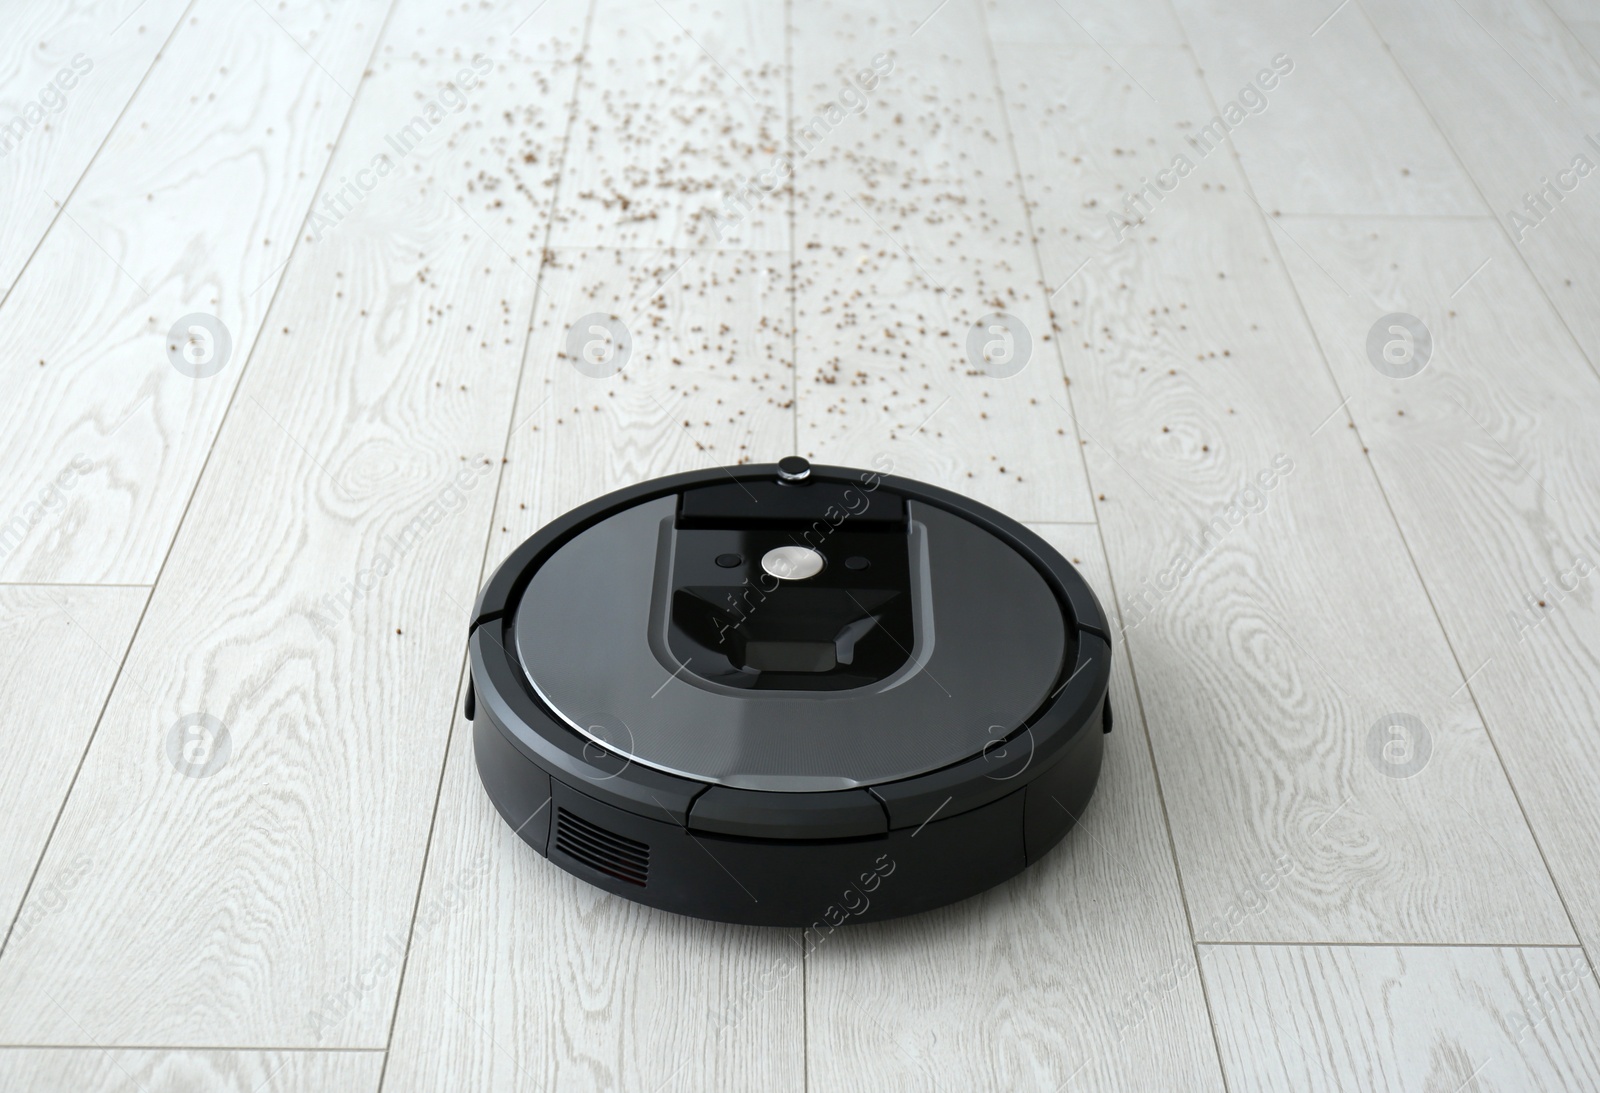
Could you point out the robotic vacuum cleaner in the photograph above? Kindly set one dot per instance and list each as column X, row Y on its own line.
column 788, row 695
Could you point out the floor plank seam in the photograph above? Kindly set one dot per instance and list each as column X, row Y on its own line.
column 194, row 489
column 1205, row 991
column 89, row 166
column 44, row 850
column 1133, row 675
column 1316, row 987
column 494, row 506
column 1389, row 945
column 70, row 584
column 1538, row 282
column 1383, row 492
column 275, row 1048
column 1285, row 214
column 1566, row 26
column 1478, row 189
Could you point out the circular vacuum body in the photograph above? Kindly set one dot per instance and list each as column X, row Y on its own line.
column 789, row 695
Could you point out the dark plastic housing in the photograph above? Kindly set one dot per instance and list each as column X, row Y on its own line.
column 714, row 841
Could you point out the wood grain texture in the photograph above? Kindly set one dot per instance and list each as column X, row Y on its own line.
column 1104, row 25
column 910, row 234
column 1518, row 97
column 191, row 207
column 1340, row 133
column 683, row 105
column 707, row 380
column 594, row 992
column 1490, row 459
column 598, row 992
column 64, row 646
column 1078, row 974
column 1571, row 11
column 414, row 408
column 312, row 609
column 522, row 976
column 97, row 1070
column 54, row 116
column 1583, row 23
column 1330, row 1018
column 1272, row 647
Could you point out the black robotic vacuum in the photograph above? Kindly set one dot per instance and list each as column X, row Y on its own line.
column 789, row 695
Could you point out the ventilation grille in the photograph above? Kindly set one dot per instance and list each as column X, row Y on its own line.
column 609, row 853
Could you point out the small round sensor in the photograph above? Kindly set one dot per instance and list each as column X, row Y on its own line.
column 792, row 563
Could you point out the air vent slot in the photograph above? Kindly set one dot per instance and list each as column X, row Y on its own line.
column 605, row 851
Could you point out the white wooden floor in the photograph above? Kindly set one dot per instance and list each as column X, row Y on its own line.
column 255, row 320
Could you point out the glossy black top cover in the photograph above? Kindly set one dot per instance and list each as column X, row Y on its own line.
column 791, row 633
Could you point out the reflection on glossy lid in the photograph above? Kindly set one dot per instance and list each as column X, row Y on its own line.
column 639, row 637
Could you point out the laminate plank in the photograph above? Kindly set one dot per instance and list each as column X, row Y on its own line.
column 186, row 218
column 679, row 124
column 1583, row 23
column 1489, row 458
column 1275, row 616
column 522, row 976
column 68, row 70
column 309, row 603
column 1085, row 24
column 1340, row 131
column 1571, row 11
column 596, row 992
column 341, row 881
column 706, row 378
column 178, row 1070
column 1078, row 974
column 1518, row 97
column 910, row 236
column 64, row 648
column 641, row 362
column 1325, row 1017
